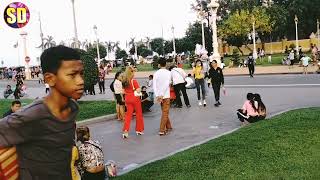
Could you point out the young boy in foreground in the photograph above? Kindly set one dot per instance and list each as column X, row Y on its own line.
column 43, row 132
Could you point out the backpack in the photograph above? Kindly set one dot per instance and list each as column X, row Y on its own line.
column 112, row 87
column 250, row 61
column 91, row 155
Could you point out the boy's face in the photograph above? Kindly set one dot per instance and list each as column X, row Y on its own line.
column 15, row 107
column 69, row 79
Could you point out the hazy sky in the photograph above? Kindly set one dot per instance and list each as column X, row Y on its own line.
column 116, row 21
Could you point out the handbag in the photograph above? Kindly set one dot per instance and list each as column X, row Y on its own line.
column 185, row 82
column 135, row 92
column 9, row 169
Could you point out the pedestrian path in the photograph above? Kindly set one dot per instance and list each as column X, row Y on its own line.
column 193, row 125
column 259, row 70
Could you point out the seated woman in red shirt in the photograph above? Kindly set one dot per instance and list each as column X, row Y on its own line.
column 132, row 93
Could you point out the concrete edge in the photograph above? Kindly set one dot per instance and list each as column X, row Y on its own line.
column 99, row 119
column 204, row 141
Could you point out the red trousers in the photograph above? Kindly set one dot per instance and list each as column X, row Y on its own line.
column 133, row 104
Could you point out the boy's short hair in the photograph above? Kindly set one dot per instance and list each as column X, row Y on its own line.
column 162, row 62
column 143, row 87
column 51, row 58
column 151, row 76
column 15, row 102
column 189, row 75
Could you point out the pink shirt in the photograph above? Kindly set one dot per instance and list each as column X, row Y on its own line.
column 247, row 107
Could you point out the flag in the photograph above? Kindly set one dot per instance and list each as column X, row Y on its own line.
column 15, row 45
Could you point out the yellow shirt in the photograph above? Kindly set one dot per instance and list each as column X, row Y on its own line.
column 74, row 170
column 197, row 71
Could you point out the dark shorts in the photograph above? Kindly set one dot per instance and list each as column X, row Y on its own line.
column 119, row 99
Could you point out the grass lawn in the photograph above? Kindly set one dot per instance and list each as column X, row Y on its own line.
column 88, row 109
column 284, row 147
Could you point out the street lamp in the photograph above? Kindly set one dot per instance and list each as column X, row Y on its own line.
column 318, row 32
column 174, row 42
column 254, row 54
column 214, row 5
column 75, row 26
column 95, row 29
column 24, row 34
column 41, row 33
column 297, row 38
column 201, row 17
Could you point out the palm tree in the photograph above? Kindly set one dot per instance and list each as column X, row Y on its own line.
column 62, row 43
column 116, row 46
column 86, row 45
column 49, row 42
column 147, row 41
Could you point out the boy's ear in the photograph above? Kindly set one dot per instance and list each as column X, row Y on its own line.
column 50, row 78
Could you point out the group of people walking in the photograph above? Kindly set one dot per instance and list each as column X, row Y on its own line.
column 132, row 99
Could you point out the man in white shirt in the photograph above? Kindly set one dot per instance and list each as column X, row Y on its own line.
column 161, row 88
column 190, row 82
column 178, row 79
column 305, row 62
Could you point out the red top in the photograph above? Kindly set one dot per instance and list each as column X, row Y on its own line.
column 129, row 89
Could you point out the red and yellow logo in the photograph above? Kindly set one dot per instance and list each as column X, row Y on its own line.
column 16, row 15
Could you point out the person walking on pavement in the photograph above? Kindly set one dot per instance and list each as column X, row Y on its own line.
column 217, row 80
column 102, row 75
column 178, row 81
column 161, row 88
column 199, row 80
column 133, row 103
column 251, row 65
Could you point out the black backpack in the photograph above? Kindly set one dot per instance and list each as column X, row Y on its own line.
column 111, row 86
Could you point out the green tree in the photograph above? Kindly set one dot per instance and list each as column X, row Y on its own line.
column 238, row 26
column 143, row 51
column 91, row 71
column 121, row 54
column 157, row 45
column 93, row 51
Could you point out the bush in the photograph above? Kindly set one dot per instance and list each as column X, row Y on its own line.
column 292, row 46
column 155, row 62
column 91, row 71
column 235, row 57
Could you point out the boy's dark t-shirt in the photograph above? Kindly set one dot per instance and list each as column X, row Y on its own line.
column 44, row 143
column 7, row 113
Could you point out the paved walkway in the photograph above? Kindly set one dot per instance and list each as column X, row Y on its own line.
column 244, row 71
column 197, row 124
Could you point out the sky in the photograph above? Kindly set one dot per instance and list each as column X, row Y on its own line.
column 116, row 21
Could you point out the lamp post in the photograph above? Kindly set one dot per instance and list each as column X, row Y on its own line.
column 254, row 54
column 24, row 34
column 95, row 29
column 75, row 26
column 174, row 42
column 214, row 5
column 318, row 32
column 201, row 17
column 297, row 38
column 41, row 33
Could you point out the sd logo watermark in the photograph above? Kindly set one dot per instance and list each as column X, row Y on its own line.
column 16, row 15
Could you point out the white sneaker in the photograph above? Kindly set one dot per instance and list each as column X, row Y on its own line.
column 204, row 103
column 200, row 103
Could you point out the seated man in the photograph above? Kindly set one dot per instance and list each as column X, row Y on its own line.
column 190, row 82
column 15, row 106
column 7, row 92
column 146, row 102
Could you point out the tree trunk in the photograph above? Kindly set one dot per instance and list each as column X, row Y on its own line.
column 240, row 51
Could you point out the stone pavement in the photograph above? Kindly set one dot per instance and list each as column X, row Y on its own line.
column 197, row 124
column 244, row 71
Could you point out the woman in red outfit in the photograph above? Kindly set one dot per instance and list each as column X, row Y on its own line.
column 133, row 102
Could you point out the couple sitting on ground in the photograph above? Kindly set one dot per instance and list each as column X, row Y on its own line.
column 253, row 110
